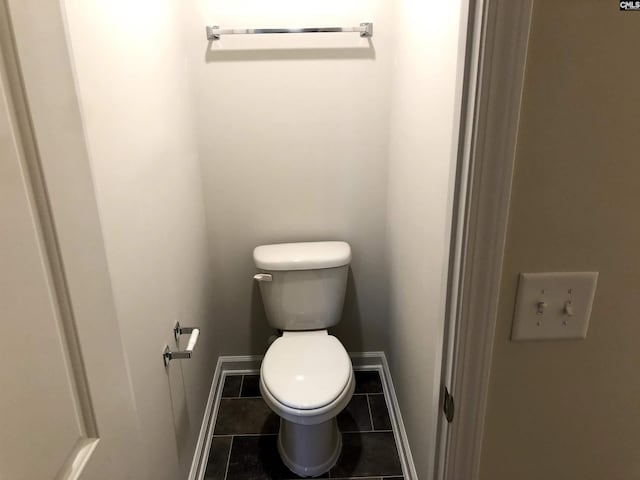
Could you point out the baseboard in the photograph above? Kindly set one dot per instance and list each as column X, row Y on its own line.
column 402, row 440
column 251, row 364
column 198, row 464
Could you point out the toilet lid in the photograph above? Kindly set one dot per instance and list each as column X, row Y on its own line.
column 306, row 370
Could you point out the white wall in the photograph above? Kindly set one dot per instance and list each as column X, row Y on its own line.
column 132, row 81
column 299, row 138
column 293, row 139
column 422, row 157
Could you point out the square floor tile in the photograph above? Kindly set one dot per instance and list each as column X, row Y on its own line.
column 251, row 386
column 231, row 386
column 245, row 416
column 367, row 454
column 218, row 456
column 379, row 412
column 368, row 381
column 355, row 417
column 257, row 458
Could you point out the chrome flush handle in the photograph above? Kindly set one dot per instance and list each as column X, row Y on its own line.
column 263, row 277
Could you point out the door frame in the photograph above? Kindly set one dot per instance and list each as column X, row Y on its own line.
column 487, row 145
column 496, row 59
column 49, row 134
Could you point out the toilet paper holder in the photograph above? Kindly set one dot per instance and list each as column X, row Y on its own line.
column 168, row 354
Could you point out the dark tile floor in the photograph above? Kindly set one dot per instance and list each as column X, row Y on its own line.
column 245, row 434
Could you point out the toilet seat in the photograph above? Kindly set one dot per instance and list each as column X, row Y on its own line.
column 309, row 417
column 307, row 377
column 306, row 370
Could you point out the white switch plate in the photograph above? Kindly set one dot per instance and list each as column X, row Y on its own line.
column 545, row 301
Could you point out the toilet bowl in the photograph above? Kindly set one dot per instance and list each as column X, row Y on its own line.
column 306, row 376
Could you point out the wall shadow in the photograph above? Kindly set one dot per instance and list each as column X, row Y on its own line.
column 349, row 330
column 179, row 407
column 260, row 329
column 270, row 54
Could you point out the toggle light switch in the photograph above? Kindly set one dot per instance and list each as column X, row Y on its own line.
column 568, row 308
column 553, row 305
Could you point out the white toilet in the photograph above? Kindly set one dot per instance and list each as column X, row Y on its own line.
column 306, row 376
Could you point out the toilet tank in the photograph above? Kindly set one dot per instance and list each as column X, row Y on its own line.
column 303, row 284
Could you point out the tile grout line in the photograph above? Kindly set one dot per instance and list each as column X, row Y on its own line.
column 260, row 396
column 362, row 478
column 240, row 398
column 226, row 470
column 370, row 415
column 241, row 384
column 351, row 432
column 346, row 432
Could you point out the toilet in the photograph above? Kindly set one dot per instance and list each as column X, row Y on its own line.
column 306, row 376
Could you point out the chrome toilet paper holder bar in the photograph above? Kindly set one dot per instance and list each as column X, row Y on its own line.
column 168, row 354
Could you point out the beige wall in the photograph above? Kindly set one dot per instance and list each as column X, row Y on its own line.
column 293, row 139
column 425, row 109
column 131, row 76
column 569, row 409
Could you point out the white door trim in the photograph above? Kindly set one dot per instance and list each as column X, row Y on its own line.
column 493, row 122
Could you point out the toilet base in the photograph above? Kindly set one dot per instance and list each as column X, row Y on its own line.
column 309, row 450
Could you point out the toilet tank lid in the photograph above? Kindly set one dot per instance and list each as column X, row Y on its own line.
column 302, row 256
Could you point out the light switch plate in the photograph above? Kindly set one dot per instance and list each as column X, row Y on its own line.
column 553, row 305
